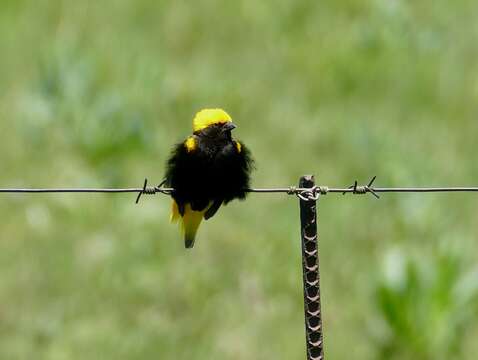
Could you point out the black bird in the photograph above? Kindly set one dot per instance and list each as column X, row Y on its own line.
column 207, row 170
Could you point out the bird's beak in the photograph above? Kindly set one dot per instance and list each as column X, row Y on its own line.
column 228, row 126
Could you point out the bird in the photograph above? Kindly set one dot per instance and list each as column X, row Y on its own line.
column 206, row 170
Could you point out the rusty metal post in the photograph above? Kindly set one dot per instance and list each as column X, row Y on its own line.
column 311, row 274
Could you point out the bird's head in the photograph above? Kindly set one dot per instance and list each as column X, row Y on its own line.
column 213, row 122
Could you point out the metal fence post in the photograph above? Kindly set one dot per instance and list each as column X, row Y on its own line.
column 311, row 274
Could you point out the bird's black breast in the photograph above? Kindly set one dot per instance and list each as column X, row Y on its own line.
column 216, row 170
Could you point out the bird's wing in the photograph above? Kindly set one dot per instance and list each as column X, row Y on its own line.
column 212, row 210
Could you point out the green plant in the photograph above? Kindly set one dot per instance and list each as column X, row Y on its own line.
column 427, row 303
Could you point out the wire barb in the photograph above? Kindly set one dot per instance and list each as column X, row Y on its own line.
column 148, row 190
column 363, row 189
column 165, row 191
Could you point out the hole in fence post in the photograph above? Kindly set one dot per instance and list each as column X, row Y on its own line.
column 311, row 274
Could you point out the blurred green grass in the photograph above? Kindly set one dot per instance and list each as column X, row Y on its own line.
column 96, row 93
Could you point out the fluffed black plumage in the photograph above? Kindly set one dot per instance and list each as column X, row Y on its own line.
column 207, row 170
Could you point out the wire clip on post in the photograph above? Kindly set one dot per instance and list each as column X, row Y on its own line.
column 308, row 194
column 310, row 268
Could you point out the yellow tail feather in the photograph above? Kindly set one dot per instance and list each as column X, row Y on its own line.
column 174, row 212
column 190, row 222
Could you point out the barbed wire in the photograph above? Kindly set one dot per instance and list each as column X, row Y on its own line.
column 306, row 194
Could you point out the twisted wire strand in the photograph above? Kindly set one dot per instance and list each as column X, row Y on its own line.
column 303, row 193
column 167, row 191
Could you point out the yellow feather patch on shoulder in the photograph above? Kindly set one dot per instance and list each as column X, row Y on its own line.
column 190, row 144
column 208, row 117
column 238, row 146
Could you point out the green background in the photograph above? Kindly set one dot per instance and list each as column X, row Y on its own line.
column 95, row 93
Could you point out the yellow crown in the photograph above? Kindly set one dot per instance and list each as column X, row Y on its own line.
column 208, row 117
